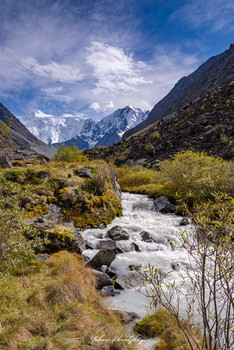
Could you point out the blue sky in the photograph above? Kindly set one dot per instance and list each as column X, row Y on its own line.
column 90, row 57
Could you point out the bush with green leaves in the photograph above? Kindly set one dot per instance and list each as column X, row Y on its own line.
column 194, row 176
column 197, row 176
column 69, row 154
column 17, row 239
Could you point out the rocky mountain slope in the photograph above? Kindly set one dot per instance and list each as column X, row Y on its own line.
column 85, row 133
column 206, row 124
column 214, row 72
column 18, row 137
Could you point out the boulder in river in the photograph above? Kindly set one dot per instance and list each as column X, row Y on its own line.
column 146, row 237
column 175, row 266
column 163, row 205
column 108, row 291
column 112, row 274
column 110, row 244
column 135, row 247
column 184, row 222
column 102, row 279
column 127, row 316
column 134, row 267
column 121, row 282
column 89, row 245
column 117, row 233
column 103, row 257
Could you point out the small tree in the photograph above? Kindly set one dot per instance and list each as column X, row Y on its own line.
column 211, row 280
column 69, row 154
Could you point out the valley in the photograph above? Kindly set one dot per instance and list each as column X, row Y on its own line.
column 118, row 233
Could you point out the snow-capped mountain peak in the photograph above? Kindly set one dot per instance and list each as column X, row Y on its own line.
column 86, row 133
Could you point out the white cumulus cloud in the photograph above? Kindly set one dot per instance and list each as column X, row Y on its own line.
column 114, row 70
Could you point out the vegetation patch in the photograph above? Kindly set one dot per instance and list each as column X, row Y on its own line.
column 56, row 308
column 85, row 201
column 162, row 324
column 193, row 176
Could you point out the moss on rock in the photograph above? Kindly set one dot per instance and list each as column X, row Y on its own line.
column 88, row 202
column 162, row 324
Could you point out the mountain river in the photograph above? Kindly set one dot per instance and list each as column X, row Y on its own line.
column 164, row 253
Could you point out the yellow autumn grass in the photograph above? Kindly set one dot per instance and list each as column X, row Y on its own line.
column 56, row 308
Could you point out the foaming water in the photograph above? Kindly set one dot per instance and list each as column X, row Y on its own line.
column 164, row 252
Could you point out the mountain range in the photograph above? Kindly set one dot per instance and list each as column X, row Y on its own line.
column 196, row 114
column 85, row 133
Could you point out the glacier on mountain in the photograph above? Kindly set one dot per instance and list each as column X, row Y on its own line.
column 84, row 132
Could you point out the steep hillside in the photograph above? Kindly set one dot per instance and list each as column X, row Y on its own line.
column 18, row 137
column 203, row 125
column 214, row 72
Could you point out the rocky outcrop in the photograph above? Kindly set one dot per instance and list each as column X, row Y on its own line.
column 60, row 237
column 5, row 162
column 115, row 185
column 84, row 172
column 117, row 233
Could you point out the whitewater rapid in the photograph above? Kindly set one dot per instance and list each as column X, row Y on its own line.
column 139, row 215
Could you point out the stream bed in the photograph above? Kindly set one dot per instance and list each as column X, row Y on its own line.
column 164, row 252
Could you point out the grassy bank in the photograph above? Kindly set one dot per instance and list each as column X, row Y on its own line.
column 54, row 305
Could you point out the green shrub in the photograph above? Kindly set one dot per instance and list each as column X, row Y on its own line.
column 195, row 176
column 4, row 130
column 130, row 177
column 17, row 239
column 69, row 154
column 14, row 175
